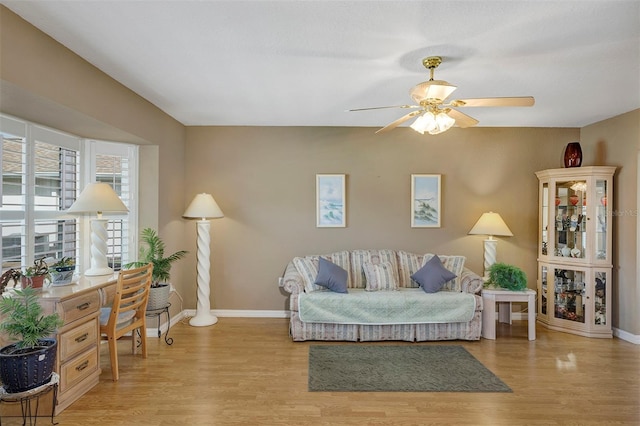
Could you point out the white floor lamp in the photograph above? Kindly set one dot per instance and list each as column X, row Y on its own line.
column 203, row 207
column 490, row 224
column 98, row 198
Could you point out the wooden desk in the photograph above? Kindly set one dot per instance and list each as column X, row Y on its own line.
column 78, row 355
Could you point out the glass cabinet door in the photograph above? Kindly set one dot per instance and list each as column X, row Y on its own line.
column 600, row 299
column 571, row 219
column 544, row 217
column 569, row 295
column 543, row 291
column 601, row 219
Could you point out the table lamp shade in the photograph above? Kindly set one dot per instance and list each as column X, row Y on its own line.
column 491, row 224
column 203, row 206
column 98, row 198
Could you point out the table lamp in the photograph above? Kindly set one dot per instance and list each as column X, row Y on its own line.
column 490, row 224
column 203, row 207
column 98, row 198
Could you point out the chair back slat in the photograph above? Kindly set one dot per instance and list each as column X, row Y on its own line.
column 132, row 293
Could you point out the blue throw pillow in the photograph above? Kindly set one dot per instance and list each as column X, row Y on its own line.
column 331, row 276
column 433, row 275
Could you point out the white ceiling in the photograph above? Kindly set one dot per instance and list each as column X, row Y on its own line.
column 303, row 63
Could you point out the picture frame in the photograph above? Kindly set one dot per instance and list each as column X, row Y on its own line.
column 426, row 202
column 331, row 201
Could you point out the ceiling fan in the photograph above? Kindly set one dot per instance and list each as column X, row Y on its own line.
column 436, row 114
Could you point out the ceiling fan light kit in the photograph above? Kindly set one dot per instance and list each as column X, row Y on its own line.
column 433, row 124
column 433, row 114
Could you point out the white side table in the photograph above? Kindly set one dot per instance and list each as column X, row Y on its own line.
column 504, row 299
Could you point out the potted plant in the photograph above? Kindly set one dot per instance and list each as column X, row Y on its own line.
column 34, row 276
column 508, row 277
column 62, row 270
column 152, row 251
column 29, row 362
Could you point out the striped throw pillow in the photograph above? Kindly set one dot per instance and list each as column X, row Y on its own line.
column 379, row 276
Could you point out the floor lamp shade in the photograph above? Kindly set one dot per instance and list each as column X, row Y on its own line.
column 203, row 207
column 490, row 224
column 97, row 198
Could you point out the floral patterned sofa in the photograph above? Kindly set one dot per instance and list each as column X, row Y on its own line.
column 316, row 313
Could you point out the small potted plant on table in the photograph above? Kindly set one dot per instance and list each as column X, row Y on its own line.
column 152, row 251
column 507, row 277
column 29, row 362
column 62, row 271
column 34, row 276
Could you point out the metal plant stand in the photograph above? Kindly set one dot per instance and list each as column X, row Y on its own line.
column 25, row 398
column 158, row 313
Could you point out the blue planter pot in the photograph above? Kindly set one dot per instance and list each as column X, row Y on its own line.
column 24, row 369
column 62, row 274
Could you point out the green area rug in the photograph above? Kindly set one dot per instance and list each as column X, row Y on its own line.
column 410, row 368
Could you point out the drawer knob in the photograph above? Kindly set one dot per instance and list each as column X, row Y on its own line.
column 82, row 366
column 83, row 306
column 82, row 338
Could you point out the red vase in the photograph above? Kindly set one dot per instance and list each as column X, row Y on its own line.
column 573, row 155
column 603, row 200
column 574, row 200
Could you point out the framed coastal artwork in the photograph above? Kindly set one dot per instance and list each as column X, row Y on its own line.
column 330, row 201
column 425, row 201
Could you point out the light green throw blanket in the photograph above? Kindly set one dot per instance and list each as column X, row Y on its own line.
column 404, row 306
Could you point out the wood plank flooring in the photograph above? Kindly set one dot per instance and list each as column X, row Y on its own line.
column 247, row 371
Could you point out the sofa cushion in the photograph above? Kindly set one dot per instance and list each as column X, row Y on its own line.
column 433, row 275
column 408, row 264
column 453, row 263
column 359, row 257
column 331, row 276
column 307, row 267
column 380, row 276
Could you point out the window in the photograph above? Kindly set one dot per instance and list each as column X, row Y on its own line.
column 42, row 171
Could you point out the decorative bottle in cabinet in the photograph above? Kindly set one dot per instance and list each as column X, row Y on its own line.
column 574, row 250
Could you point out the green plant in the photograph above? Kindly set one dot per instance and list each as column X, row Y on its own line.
column 153, row 252
column 64, row 262
column 39, row 268
column 507, row 276
column 25, row 321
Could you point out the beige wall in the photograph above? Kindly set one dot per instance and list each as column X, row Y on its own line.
column 264, row 180
column 616, row 142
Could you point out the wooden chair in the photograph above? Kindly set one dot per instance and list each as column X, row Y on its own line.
column 127, row 313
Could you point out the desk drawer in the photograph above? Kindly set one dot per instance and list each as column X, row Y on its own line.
column 78, row 339
column 77, row 369
column 80, row 306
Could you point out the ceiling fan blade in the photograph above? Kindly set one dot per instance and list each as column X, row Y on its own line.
column 399, row 121
column 494, row 102
column 462, row 119
column 384, row 107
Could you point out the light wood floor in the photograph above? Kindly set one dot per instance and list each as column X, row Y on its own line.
column 248, row 372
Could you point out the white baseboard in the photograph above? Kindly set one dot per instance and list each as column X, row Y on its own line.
column 241, row 313
column 624, row 335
